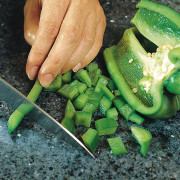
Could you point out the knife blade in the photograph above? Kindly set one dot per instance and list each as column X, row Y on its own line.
column 14, row 98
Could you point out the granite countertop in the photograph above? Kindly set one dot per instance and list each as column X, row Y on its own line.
column 33, row 153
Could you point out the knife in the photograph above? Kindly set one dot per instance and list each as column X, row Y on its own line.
column 14, row 98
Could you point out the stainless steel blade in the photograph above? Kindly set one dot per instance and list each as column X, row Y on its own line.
column 14, row 98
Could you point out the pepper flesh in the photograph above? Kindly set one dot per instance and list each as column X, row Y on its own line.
column 130, row 75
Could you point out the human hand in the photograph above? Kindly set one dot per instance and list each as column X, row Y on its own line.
column 64, row 34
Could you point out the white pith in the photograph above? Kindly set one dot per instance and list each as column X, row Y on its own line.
column 157, row 66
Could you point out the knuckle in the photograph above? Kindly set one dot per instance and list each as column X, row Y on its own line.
column 88, row 39
column 49, row 31
column 72, row 34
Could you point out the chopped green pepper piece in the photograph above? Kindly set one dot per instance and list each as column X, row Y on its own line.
column 104, row 104
column 89, row 107
column 106, row 126
column 136, row 118
column 126, row 111
column 55, row 85
column 117, row 146
column 91, row 139
column 89, row 91
column 80, row 86
column 101, row 82
column 119, row 102
column 143, row 137
column 95, row 96
column 92, row 66
column 80, row 101
column 94, row 75
column 112, row 113
column 83, row 76
column 107, row 93
column 66, row 78
column 111, row 85
column 69, row 110
column 83, row 118
column 68, row 124
column 68, row 91
column 117, row 93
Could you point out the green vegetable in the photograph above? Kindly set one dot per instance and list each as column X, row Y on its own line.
column 80, row 86
column 117, row 146
column 89, row 107
column 68, row 124
column 101, row 82
column 56, row 84
column 89, row 91
column 66, row 78
column 126, row 111
column 80, row 101
column 91, row 139
column 136, row 118
column 111, row 85
column 106, row 126
column 104, row 104
column 83, row 118
column 157, row 23
column 117, row 93
column 119, row 102
column 143, row 137
column 83, row 76
column 107, row 93
column 69, row 110
column 112, row 113
column 94, row 75
column 68, row 91
column 92, row 66
column 138, row 77
column 24, row 108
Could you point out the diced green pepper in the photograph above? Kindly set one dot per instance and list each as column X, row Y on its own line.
column 94, row 75
column 83, row 118
column 111, row 85
column 80, row 86
column 80, row 101
column 107, row 93
column 68, row 91
column 112, row 113
column 143, row 137
column 106, row 126
column 89, row 107
column 66, row 78
column 69, row 110
column 92, row 66
column 104, row 104
column 95, row 96
column 136, row 118
column 89, row 91
column 101, row 82
column 119, row 102
column 68, row 124
column 117, row 93
column 117, row 146
column 55, row 85
column 91, row 139
column 126, row 111
column 83, row 76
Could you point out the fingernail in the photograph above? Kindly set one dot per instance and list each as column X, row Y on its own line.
column 33, row 72
column 77, row 67
column 46, row 80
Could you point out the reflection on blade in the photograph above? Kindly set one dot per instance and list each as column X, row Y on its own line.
column 14, row 99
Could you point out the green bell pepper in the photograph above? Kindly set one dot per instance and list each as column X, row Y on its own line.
column 146, row 69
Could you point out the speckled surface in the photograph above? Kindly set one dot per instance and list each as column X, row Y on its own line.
column 33, row 153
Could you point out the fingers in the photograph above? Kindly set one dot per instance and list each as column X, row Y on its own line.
column 51, row 18
column 96, row 46
column 86, row 42
column 65, row 43
column 31, row 20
